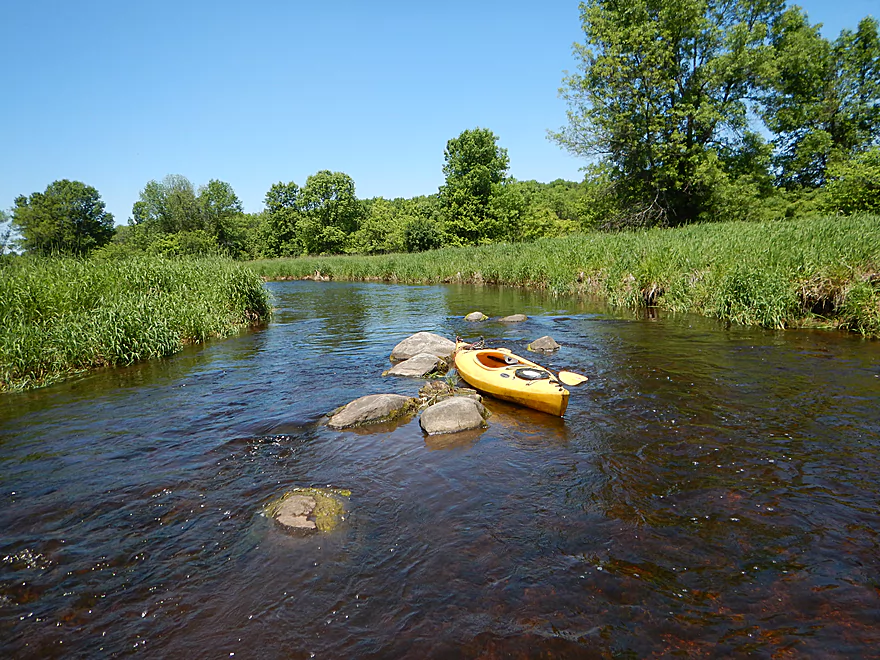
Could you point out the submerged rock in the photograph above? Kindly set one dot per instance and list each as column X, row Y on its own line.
column 418, row 366
column 423, row 342
column 514, row 318
column 476, row 316
column 372, row 409
column 307, row 510
column 545, row 344
column 453, row 415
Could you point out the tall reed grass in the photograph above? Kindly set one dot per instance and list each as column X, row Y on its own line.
column 812, row 271
column 63, row 316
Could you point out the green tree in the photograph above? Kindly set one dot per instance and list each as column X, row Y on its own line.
column 68, row 218
column 421, row 234
column 854, row 185
column 331, row 212
column 280, row 230
column 173, row 206
column 221, row 209
column 662, row 95
column 474, row 168
column 381, row 229
column 822, row 99
column 168, row 206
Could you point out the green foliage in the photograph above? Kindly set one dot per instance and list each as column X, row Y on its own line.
column 198, row 243
column 63, row 316
column 172, row 206
column 662, row 96
column 771, row 273
column 854, row 185
column 315, row 219
column 421, row 234
column 382, row 228
column 822, row 99
column 68, row 218
column 475, row 167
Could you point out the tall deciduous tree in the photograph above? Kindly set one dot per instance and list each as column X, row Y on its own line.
column 68, row 218
column 283, row 213
column 662, row 97
column 823, row 98
column 474, row 167
column 220, row 207
column 317, row 218
column 331, row 211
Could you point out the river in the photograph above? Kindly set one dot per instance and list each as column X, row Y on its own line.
column 712, row 491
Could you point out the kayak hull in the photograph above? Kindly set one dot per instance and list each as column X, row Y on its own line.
column 493, row 371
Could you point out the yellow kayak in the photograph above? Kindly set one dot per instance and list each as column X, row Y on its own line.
column 500, row 373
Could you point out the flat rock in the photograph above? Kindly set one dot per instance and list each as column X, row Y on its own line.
column 423, row 342
column 418, row 366
column 453, row 415
column 294, row 510
column 476, row 316
column 371, row 409
column 545, row 344
column 513, row 318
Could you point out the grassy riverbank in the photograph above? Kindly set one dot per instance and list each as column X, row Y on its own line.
column 818, row 271
column 60, row 317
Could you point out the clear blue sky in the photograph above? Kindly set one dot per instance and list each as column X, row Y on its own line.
column 116, row 93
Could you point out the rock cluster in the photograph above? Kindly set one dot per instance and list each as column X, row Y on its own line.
column 479, row 316
column 445, row 409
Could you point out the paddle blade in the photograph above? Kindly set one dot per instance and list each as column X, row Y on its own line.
column 571, row 379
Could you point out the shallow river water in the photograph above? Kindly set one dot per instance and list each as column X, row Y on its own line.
column 712, row 491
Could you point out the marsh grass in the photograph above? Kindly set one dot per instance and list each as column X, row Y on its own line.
column 64, row 316
column 812, row 271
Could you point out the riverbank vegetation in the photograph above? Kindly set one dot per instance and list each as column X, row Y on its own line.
column 817, row 272
column 64, row 316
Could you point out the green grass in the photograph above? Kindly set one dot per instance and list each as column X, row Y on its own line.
column 814, row 271
column 65, row 316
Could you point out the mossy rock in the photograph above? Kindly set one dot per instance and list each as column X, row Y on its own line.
column 325, row 515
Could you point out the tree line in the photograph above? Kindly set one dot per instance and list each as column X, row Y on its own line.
column 478, row 203
column 686, row 111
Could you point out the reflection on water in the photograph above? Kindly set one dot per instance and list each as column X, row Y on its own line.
column 711, row 491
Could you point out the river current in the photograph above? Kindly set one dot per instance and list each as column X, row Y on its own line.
column 712, row 491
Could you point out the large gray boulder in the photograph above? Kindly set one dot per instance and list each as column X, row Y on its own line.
column 417, row 366
column 372, row 409
column 545, row 344
column 453, row 415
column 423, row 342
column 514, row 318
